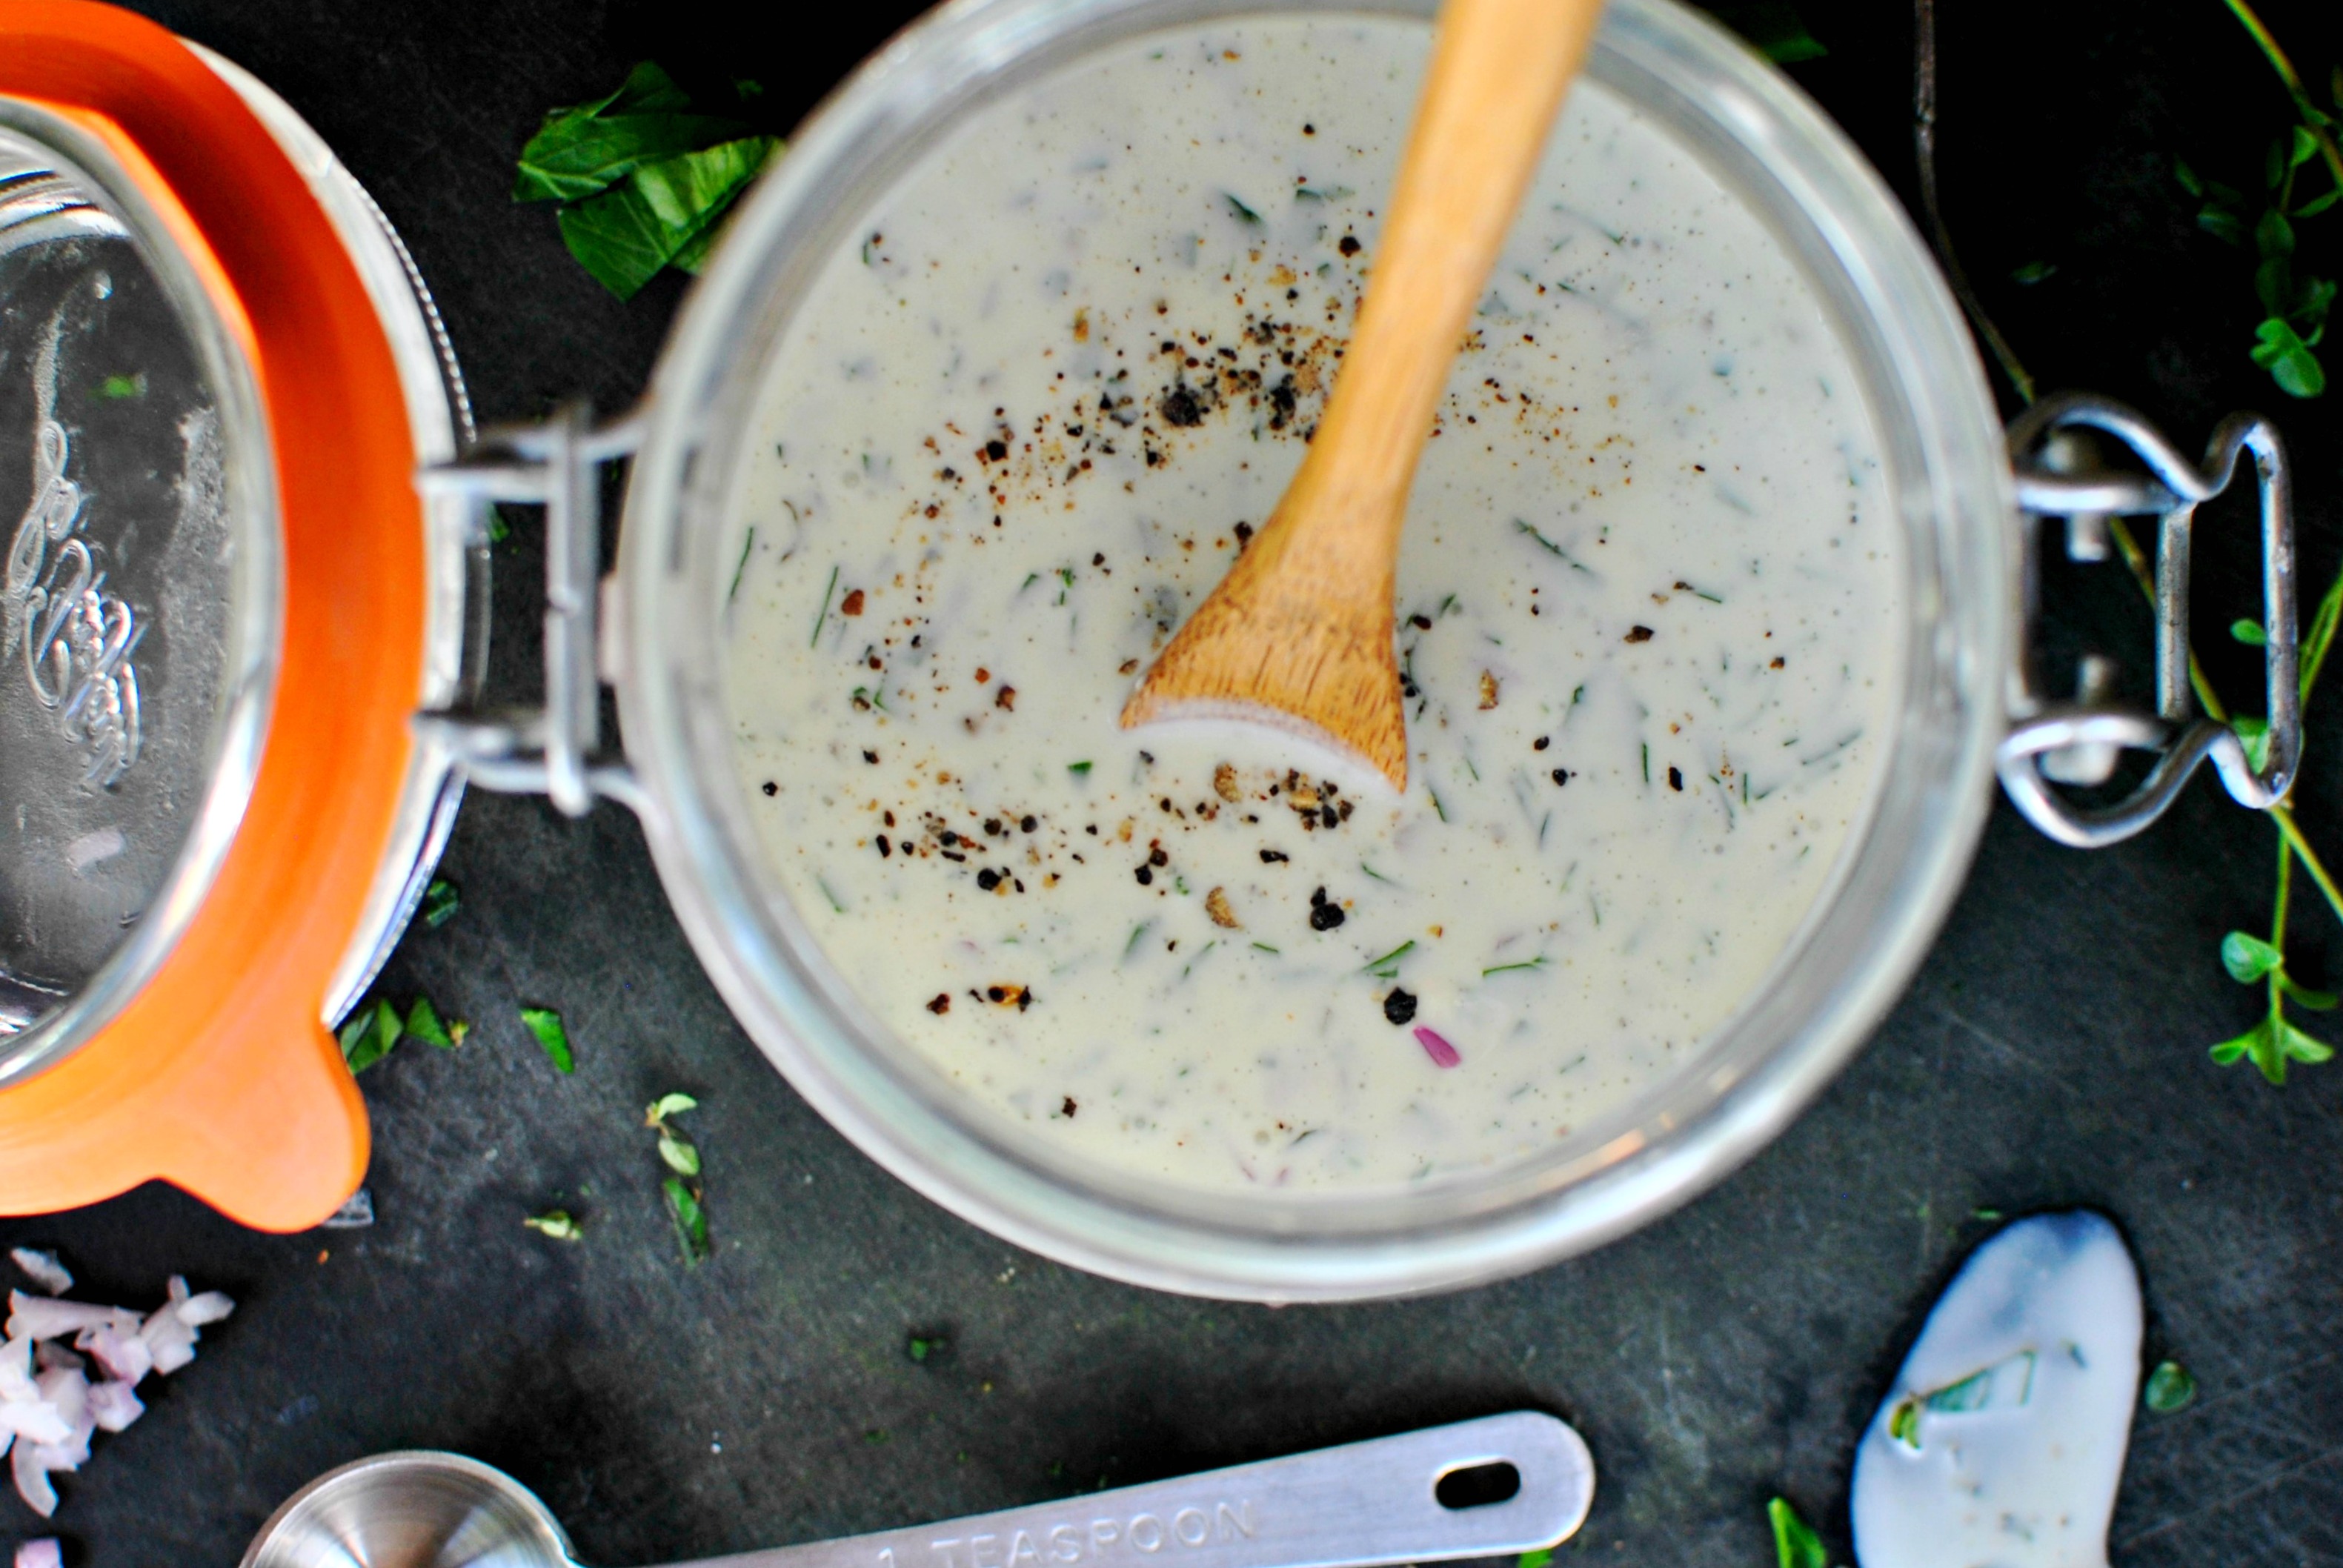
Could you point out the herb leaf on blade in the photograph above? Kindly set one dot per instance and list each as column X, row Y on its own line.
column 646, row 181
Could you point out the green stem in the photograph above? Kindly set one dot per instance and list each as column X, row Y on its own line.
column 2283, row 814
column 2285, row 69
column 2278, row 930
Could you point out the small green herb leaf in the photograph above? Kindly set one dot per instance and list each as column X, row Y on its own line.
column 2228, row 1050
column 441, row 899
column 1541, row 1558
column 682, row 1156
column 2221, row 224
column 2254, row 732
column 424, row 1023
column 2303, row 996
column 2287, row 355
column 1078, row 769
column 2249, row 632
column 118, row 386
column 1772, row 27
column 1904, row 1423
column 690, row 1219
column 1243, row 212
column 2170, row 1388
column 2188, row 178
column 920, row 1347
column 2033, row 272
column 579, row 156
column 2248, row 958
column 558, row 1223
column 668, row 1105
column 1795, row 1546
column 370, row 1035
column 546, row 1025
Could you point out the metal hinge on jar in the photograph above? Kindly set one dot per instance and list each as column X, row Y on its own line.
column 555, row 750
column 2077, row 742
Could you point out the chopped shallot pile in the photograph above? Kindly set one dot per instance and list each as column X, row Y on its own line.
column 49, row 1403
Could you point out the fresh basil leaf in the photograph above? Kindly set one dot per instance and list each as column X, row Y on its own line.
column 2221, row 224
column 690, row 190
column 2304, row 997
column 2170, row 1388
column 2286, row 355
column 682, row 1156
column 2248, row 957
column 424, row 1023
column 1795, row 1546
column 618, row 238
column 576, row 158
column 690, row 1219
column 2249, row 632
column 546, row 1025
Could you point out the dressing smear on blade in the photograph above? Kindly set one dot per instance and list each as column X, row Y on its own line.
column 2002, row 1442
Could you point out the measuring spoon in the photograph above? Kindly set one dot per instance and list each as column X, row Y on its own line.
column 1499, row 1485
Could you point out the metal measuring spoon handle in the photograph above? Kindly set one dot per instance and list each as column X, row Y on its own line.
column 1361, row 1504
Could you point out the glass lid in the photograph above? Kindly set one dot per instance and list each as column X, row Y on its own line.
column 135, row 592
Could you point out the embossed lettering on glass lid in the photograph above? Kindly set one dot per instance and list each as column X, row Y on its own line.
column 114, row 603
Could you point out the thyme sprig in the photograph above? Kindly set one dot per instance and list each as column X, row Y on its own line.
column 2274, row 1040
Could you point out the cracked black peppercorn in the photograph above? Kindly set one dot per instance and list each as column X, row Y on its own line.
column 1675, row 779
column 1146, row 875
column 988, row 878
column 1399, row 1007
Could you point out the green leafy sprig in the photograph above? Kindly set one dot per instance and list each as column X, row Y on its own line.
column 686, row 1195
column 644, row 179
column 1795, row 1544
column 2296, row 304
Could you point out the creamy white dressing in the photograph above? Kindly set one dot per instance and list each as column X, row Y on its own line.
column 2003, row 1440
column 1651, row 612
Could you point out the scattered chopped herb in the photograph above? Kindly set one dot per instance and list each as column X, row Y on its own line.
column 441, row 899
column 558, row 1223
column 1245, row 213
column 825, row 893
column 1551, row 548
column 1370, row 871
column 690, row 1219
column 1265, row 947
column 546, row 1025
column 424, row 1023
column 1387, row 966
column 823, row 614
column 1536, row 963
column 2170, row 1388
column 124, row 386
column 1078, row 768
column 370, row 1034
column 1795, row 1546
column 1441, row 809
column 920, row 1347
column 747, row 543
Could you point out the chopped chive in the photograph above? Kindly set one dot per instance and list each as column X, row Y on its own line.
column 1436, row 806
column 1647, row 763
column 830, row 896
column 1265, row 947
column 815, row 640
column 1392, row 958
column 1552, row 548
column 1137, row 932
column 1378, row 876
column 747, row 544
column 1536, row 963
column 1078, row 768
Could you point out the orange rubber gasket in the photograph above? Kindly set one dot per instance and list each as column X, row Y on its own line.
column 219, row 1076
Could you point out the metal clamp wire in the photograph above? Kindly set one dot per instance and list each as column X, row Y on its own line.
column 2172, row 489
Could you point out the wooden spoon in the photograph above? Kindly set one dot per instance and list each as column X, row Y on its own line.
column 1298, row 634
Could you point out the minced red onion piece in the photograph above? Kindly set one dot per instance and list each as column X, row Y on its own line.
column 113, row 1406
column 46, row 1318
column 44, row 1269
column 46, row 1553
column 1442, row 1054
column 49, row 1408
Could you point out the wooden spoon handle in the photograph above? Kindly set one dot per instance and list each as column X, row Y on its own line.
column 1498, row 71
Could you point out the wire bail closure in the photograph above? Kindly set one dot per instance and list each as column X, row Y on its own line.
column 555, row 750
column 2076, row 742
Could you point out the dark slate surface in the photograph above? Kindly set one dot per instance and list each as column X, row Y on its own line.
column 2051, row 1052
